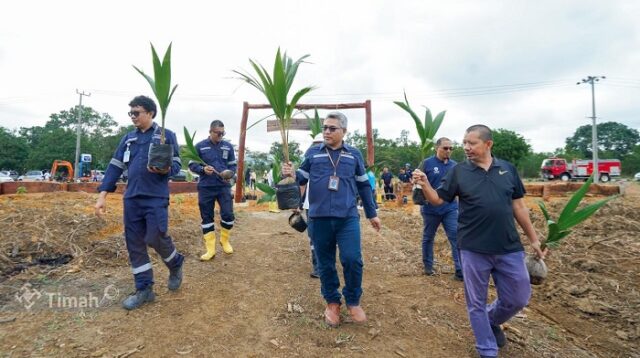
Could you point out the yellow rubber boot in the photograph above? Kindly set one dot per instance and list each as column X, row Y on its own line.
column 224, row 241
column 210, row 244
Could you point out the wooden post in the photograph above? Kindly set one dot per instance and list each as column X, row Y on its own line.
column 370, row 152
column 243, row 135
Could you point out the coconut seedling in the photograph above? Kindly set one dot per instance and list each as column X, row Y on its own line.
column 161, row 155
column 190, row 153
column 561, row 228
column 426, row 132
column 315, row 124
column 276, row 88
column 269, row 192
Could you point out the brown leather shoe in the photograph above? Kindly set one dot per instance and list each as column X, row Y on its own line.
column 332, row 314
column 357, row 314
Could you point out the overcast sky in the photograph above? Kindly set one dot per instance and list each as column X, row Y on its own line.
column 506, row 64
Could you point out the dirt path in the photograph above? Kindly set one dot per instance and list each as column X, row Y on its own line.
column 260, row 301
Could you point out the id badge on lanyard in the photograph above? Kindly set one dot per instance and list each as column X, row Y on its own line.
column 334, row 180
column 127, row 153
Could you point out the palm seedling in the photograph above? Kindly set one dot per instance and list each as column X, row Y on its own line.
column 160, row 156
column 561, row 228
column 315, row 124
column 275, row 88
column 427, row 133
column 269, row 192
column 190, row 153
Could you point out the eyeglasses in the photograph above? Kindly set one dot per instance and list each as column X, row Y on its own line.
column 221, row 134
column 447, row 148
column 330, row 128
column 135, row 114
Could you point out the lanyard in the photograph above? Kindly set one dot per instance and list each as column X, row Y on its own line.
column 335, row 165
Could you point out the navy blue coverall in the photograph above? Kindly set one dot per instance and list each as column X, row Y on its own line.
column 212, row 187
column 146, row 201
column 334, row 218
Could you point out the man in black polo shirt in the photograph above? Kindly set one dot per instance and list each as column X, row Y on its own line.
column 490, row 195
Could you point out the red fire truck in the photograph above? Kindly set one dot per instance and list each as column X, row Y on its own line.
column 558, row 168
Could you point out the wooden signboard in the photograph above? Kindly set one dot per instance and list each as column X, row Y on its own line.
column 301, row 124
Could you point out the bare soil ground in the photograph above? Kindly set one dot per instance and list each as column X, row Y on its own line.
column 70, row 268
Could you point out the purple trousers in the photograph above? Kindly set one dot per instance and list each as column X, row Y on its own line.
column 512, row 285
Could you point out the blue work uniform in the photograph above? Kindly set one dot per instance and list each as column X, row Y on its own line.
column 146, row 201
column 334, row 216
column 404, row 177
column 388, row 188
column 445, row 214
column 212, row 187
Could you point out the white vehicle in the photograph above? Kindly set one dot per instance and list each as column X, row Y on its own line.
column 637, row 177
column 5, row 178
column 32, row 175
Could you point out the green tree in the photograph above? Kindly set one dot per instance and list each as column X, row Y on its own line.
column 99, row 136
column 631, row 162
column 510, row 146
column 614, row 140
column 295, row 154
column 260, row 162
column 530, row 165
column 14, row 150
column 390, row 153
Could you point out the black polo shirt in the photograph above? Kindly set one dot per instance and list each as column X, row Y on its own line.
column 486, row 223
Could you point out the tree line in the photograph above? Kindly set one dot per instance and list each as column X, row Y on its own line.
column 37, row 147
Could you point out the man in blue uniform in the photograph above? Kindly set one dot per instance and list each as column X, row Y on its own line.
column 403, row 176
column 335, row 173
column 146, row 201
column 446, row 214
column 387, row 177
column 219, row 156
column 491, row 196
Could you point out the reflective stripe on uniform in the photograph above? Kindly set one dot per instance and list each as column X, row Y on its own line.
column 143, row 268
column 226, row 222
column 304, row 173
column 233, row 162
column 206, row 226
column 177, row 159
column 117, row 163
column 362, row 178
column 173, row 254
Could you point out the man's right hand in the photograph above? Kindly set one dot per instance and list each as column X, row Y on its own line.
column 418, row 177
column 208, row 170
column 287, row 169
column 101, row 204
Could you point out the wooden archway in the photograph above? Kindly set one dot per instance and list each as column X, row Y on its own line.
column 243, row 132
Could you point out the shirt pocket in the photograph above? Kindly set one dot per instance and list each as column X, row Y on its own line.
column 346, row 167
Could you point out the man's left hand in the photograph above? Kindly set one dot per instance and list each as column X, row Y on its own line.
column 157, row 170
column 376, row 223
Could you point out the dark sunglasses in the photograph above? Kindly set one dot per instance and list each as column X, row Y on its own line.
column 447, row 148
column 221, row 134
column 330, row 128
column 135, row 114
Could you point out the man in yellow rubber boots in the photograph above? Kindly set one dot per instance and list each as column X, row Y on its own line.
column 214, row 185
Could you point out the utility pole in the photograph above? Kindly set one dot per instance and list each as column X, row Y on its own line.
column 77, row 171
column 594, row 130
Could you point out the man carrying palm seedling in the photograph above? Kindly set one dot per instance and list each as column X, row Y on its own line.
column 334, row 171
column 490, row 195
column 215, row 161
column 146, row 200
